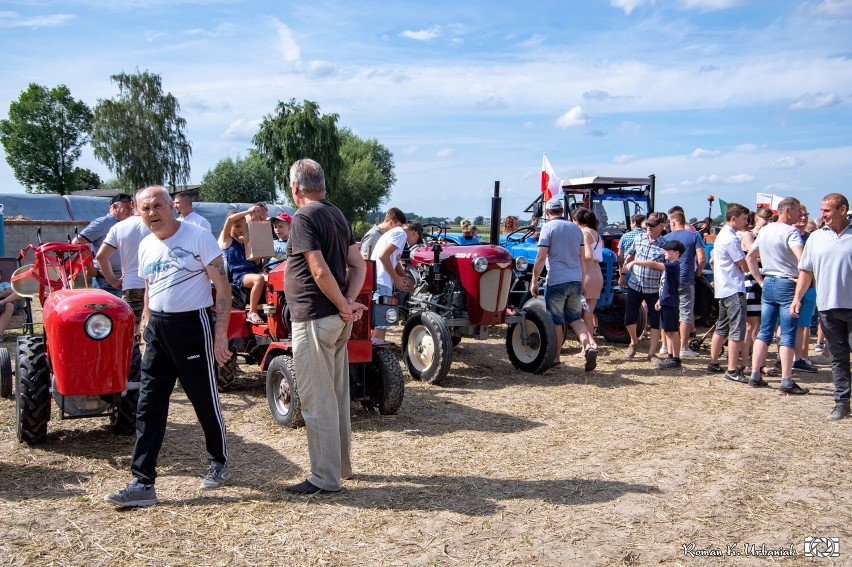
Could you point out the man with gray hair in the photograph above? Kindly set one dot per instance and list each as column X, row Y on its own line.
column 325, row 273
column 779, row 248
column 828, row 259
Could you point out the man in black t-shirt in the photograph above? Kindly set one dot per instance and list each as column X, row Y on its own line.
column 324, row 274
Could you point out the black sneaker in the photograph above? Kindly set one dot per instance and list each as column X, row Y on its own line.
column 591, row 359
column 669, row 363
column 759, row 383
column 713, row 367
column 839, row 412
column 794, row 390
column 804, row 365
column 735, row 376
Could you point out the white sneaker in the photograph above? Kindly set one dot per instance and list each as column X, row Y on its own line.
column 819, row 348
column 664, row 350
column 688, row 353
column 820, row 359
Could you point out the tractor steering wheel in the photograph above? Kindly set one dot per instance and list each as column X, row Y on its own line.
column 520, row 234
column 432, row 232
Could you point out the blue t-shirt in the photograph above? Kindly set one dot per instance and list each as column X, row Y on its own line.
column 692, row 241
column 669, row 284
column 238, row 266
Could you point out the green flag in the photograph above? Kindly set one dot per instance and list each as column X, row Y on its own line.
column 723, row 205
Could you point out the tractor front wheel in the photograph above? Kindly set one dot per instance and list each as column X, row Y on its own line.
column 427, row 347
column 537, row 352
column 281, row 392
column 385, row 382
column 32, row 399
column 123, row 421
column 227, row 373
column 5, row 374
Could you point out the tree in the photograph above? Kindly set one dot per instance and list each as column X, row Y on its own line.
column 248, row 180
column 367, row 175
column 43, row 136
column 140, row 135
column 295, row 131
column 479, row 219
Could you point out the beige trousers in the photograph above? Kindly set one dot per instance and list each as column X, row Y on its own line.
column 322, row 381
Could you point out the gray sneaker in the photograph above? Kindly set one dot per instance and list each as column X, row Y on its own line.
column 134, row 495
column 735, row 376
column 217, row 474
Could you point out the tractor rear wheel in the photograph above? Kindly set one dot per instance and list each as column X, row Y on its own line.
column 281, row 392
column 6, row 390
column 427, row 347
column 536, row 355
column 227, row 373
column 614, row 330
column 123, row 421
column 385, row 382
column 32, row 399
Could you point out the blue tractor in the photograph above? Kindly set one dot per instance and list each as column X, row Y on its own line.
column 614, row 200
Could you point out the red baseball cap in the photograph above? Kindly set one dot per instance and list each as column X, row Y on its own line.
column 283, row 216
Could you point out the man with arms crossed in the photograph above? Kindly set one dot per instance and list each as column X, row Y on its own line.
column 828, row 258
column 178, row 262
column 324, row 274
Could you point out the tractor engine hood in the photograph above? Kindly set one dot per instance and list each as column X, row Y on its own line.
column 89, row 336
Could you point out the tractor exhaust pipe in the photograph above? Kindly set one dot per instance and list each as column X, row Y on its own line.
column 494, row 234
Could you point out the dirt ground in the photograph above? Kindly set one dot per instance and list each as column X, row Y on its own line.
column 623, row 466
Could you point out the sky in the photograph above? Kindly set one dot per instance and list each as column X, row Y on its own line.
column 715, row 97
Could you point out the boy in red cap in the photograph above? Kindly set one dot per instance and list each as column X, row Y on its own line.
column 281, row 227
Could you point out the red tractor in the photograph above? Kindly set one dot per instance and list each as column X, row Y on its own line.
column 463, row 291
column 375, row 376
column 83, row 357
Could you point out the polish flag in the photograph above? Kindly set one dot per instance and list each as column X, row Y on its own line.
column 550, row 182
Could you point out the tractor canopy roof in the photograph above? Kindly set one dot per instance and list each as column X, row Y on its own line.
column 609, row 185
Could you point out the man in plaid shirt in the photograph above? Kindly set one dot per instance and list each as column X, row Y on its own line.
column 644, row 282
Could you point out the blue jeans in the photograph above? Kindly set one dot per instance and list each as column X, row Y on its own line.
column 777, row 297
column 563, row 302
column 104, row 285
column 837, row 326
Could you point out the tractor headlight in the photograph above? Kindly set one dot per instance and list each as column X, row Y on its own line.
column 480, row 264
column 521, row 263
column 98, row 326
column 392, row 316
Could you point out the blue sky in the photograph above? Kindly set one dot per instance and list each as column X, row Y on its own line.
column 722, row 97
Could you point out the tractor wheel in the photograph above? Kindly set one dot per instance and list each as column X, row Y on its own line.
column 614, row 331
column 227, row 373
column 385, row 382
column 32, row 400
column 537, row 354
column 427, row 347
column 281, row 392
column 5, row 374
column 123, row 421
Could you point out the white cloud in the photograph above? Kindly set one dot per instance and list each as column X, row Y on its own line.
column 445, row 152
column 810, row 101
column 623, row 158
column 710, row 5
column 422, row 35
column 831, row 8
column 15, row 20
column 240, row 129
column 410, row 150
column 287, row 46
column 629, row 128
column 221, row 30
column 701, row 153
column 529, row 125
column 629, row 5
column 575, row 117
column 788, row 162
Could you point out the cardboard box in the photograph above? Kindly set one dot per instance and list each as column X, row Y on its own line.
column 258, row 240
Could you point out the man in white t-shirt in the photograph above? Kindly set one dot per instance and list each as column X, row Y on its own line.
column 393, row 218
column 729, row 268
column 779, row 247
column 183, row 205
column 178, row 261
column 389, row 271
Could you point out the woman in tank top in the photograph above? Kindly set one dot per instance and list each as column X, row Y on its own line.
column 753, row 291
column 592, row 256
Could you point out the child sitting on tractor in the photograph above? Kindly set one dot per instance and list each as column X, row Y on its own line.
column 243, row 273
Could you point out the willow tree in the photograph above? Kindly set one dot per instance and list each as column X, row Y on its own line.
column 140, row 135
column 43, row 137
column 295, row 131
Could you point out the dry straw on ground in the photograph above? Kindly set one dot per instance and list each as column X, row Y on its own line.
column 623, row 466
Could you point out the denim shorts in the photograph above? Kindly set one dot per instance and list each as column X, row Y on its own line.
column 381, row 290
column 563, row 302
column 806, row 309
column 777, row 297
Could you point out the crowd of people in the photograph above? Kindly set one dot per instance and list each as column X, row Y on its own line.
column 776, row 276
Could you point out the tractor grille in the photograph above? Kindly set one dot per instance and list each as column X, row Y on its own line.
column 494, row 290
column 610, row 275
